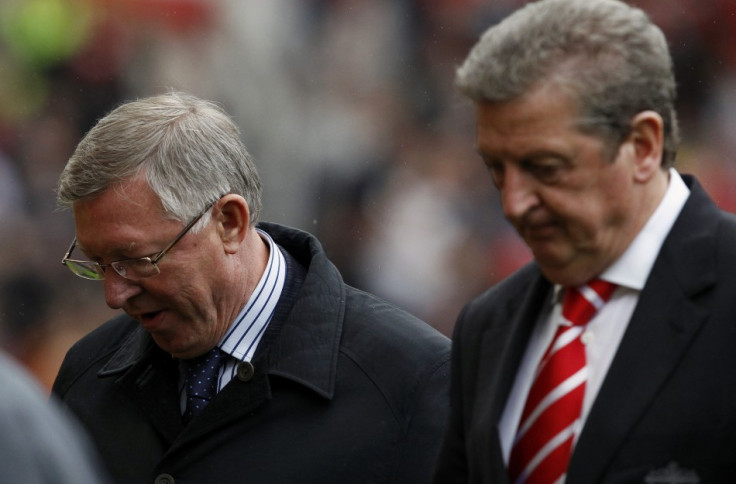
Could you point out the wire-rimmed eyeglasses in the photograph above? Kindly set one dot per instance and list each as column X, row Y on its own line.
column 133, row 269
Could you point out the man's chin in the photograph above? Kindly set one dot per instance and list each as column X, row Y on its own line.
column 173, row 347
column 547, row 253
column 569, row 274
column 555, row 266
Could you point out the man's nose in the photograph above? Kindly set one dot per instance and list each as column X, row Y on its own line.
column 118, row 289
column 518, row 193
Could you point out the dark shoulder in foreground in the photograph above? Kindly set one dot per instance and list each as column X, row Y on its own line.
column 39, row 441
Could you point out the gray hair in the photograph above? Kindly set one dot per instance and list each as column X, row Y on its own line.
column 607, row 55
column 188, row 149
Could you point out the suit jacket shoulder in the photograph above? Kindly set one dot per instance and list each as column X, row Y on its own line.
column 501, row 301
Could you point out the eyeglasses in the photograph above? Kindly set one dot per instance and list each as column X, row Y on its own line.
column 133, row 269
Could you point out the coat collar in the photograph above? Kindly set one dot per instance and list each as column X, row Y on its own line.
column 307, row 347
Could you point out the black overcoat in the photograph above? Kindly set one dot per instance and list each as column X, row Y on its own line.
column 346, row 389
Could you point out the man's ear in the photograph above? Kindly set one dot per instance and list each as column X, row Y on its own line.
column 233, row 220
column 647, row 137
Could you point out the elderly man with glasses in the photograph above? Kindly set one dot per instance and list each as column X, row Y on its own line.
column 241, row 356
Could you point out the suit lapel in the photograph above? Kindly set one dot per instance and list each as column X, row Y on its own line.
column 658, row 335
column 504, row 345
column 502, row 349
column 660, row 332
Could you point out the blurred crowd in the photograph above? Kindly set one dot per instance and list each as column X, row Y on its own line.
column 349, row 110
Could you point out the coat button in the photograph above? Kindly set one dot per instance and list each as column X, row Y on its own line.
column 164, row 479
column 245, row 371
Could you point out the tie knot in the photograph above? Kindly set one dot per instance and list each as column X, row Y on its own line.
column 582, row 302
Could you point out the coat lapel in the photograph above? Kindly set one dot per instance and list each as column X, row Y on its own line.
column 660, row 332
column 232, row 404
column 148, row 376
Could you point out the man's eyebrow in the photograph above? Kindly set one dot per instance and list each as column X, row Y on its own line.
column 531, row 155
column 120, row 250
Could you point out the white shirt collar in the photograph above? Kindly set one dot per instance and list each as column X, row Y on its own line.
column 632, row 268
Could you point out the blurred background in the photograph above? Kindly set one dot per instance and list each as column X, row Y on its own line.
column 349, row 110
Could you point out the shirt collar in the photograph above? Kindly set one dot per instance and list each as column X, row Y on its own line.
column 242, row 338
column 632, row 268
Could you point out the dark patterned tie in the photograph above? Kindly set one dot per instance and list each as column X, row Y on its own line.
column 552, row 411
column 200, row 381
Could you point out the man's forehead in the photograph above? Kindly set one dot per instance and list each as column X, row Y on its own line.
column 130, row 194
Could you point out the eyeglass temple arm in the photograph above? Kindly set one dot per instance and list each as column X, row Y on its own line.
column 69, row 252
column 179, row 237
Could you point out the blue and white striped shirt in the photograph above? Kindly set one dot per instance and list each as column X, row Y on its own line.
column 241, row 340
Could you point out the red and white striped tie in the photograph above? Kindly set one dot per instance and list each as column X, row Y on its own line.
column 550, row 419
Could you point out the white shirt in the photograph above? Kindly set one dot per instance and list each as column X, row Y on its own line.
column 604, row 332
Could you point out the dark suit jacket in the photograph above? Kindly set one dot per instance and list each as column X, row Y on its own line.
column 346, row 389
column 668, row 402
